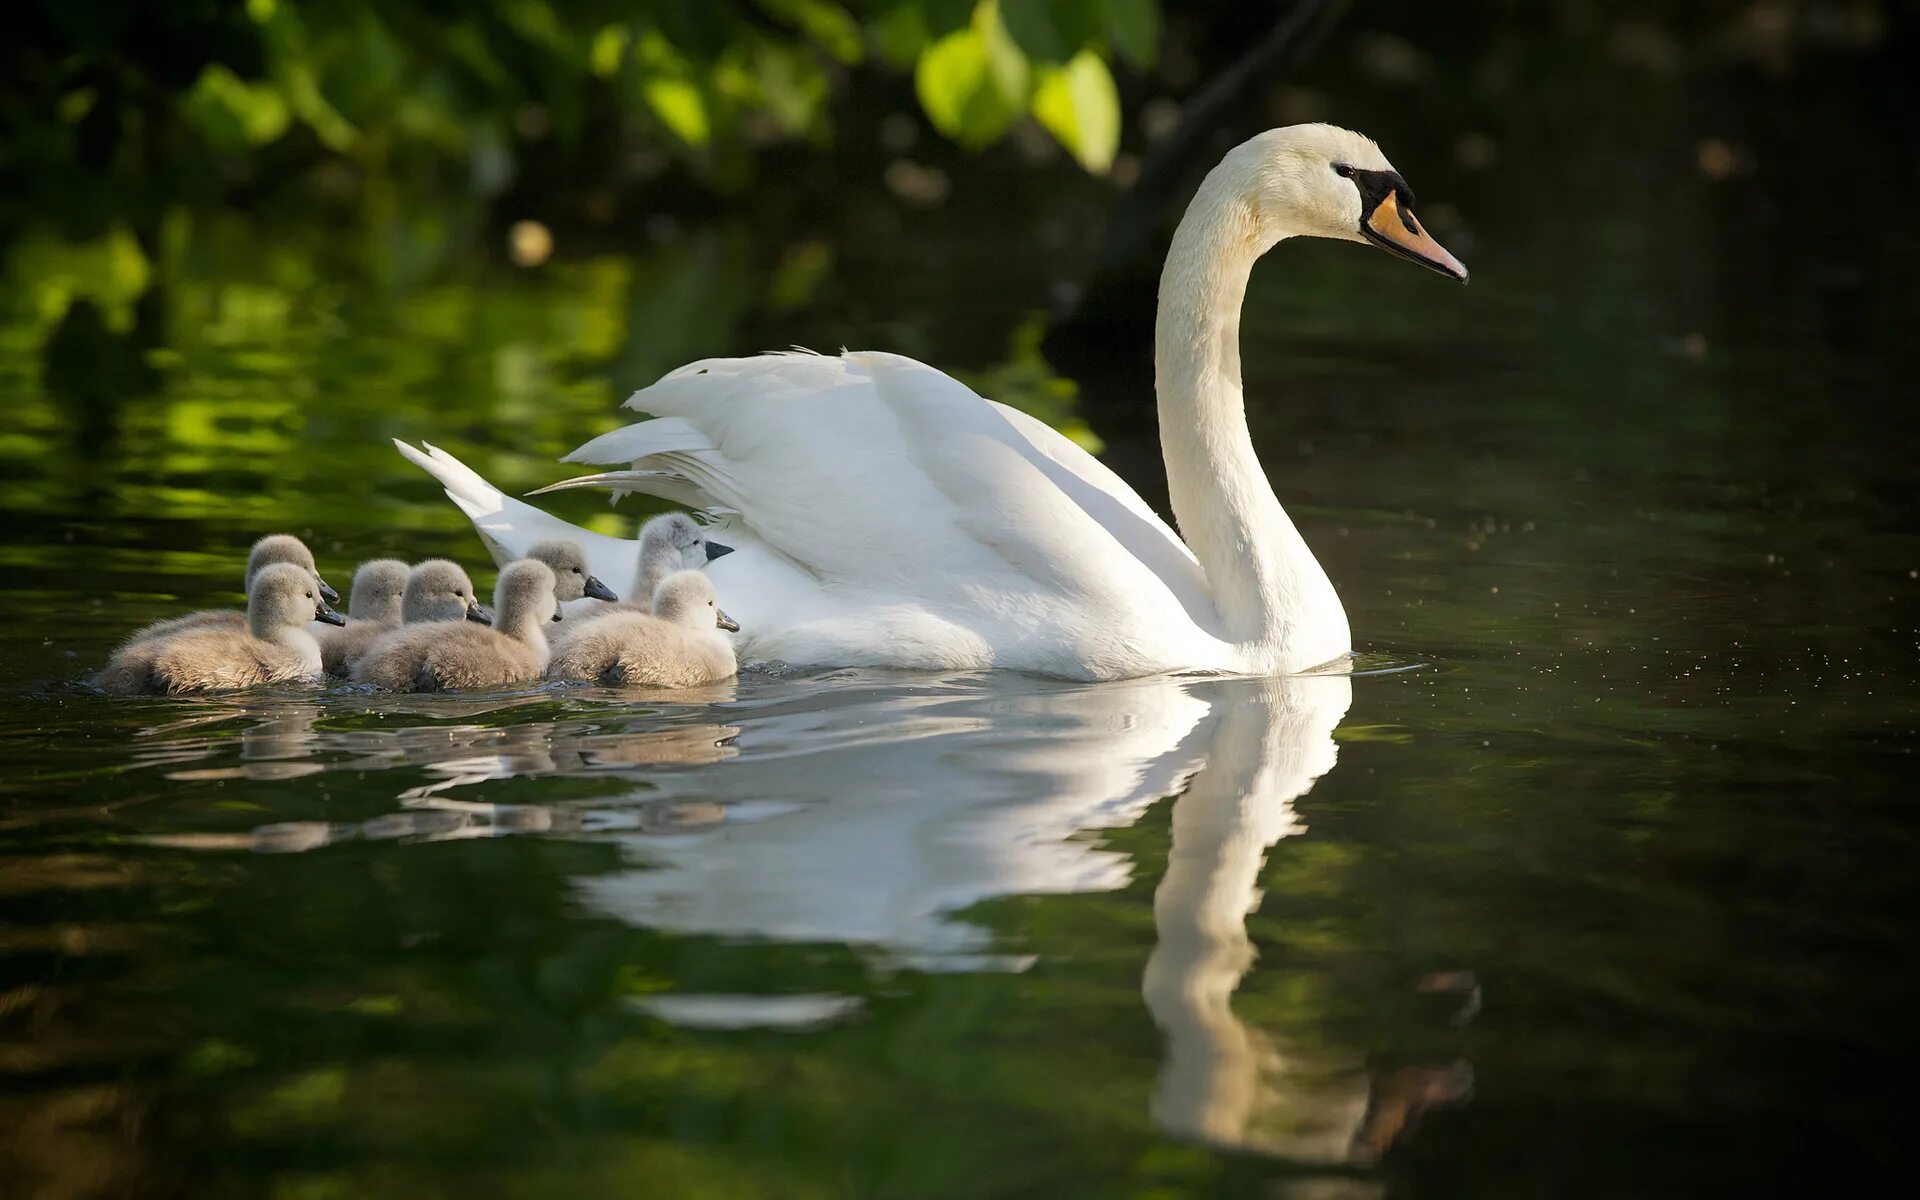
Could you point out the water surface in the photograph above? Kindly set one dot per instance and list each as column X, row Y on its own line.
column 1597, row 883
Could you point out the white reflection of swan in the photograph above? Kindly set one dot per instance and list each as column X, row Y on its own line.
column 1269, row 745
column 958, row 797
column 932, row 802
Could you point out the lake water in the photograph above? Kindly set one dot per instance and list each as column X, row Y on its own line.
column 1595, row 880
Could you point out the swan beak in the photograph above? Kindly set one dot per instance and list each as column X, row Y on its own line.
column 598, row 590
column 324, row 612
column 725, row 622
column 716, row 550
column 1392, row 227
column 326, row 592
column 479, row 613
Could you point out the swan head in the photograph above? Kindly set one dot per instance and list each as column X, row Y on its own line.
column 285, row 548
column 677, row 535
column 438, row 590
column 524, row 595
column 283, row 596
column 568, row 563
column 687, row 598
column 1324, row 181
column 379, row 589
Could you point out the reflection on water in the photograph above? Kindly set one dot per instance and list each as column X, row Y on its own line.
column 970, row 789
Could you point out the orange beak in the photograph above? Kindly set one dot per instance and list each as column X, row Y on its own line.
column 1392, row 227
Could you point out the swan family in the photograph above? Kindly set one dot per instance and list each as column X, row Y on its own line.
column 423, row 628
column 878, row 512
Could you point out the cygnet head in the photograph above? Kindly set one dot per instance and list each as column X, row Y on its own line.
column 1324, row 181
column 568, row 563
column 285, row 548
column 285, row 596
column 687, row 598
column 678, row 534
column 438, row 590
column 524, row 595
column 379, row 587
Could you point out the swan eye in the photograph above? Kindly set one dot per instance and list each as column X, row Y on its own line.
column 1343, row 170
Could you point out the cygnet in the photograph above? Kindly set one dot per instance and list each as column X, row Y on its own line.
column 275, row 646
column 274, row 548
column 680, row 643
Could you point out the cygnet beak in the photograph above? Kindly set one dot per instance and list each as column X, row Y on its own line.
column 724, row 621
column 479, row 613
column 324, row 612
column 326, row 592
column 716, row 550
column 597, row 590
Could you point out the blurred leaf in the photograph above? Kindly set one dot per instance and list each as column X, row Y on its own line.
column 973, row 83
column 670, row 90
column 1079, row 105
column 233, row 114
column 1134, row 26
column 826, row 23
column 609, row 50
column 1053, row 31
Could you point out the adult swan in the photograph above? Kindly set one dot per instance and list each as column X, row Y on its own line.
column 885, row 515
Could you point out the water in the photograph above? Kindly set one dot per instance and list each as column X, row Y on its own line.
column 1594, row 881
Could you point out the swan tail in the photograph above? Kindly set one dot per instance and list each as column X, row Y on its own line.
column 464, row 485
column 507, row 527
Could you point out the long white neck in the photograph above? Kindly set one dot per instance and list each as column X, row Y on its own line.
column 1273, row 597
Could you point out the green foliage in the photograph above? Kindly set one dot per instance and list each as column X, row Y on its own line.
column 421, row 91
column 1041, row 58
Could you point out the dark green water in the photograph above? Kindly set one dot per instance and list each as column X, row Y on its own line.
column 1598, row 881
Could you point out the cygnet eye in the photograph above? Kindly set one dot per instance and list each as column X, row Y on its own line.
column 576, row 570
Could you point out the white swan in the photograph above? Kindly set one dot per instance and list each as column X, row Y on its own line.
column 885, row 515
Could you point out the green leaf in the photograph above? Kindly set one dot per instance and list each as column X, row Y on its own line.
column 234, row 114
column 827, row 24
column 609, row 50
column 670, row 90
column 973, row 83
column 1080, row 106
column 1134, row 26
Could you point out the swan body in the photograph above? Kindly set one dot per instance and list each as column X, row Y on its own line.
column 275, row 647
column 444, row 655
column 886, row 515
column 274, row 548
column 680, row 643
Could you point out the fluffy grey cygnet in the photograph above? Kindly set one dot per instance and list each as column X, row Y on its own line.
column 680, row 643
column 568, row 562
column 443, row 655
column 274, row 548
column 275, row 646
column 438, row 590
column 373, row 608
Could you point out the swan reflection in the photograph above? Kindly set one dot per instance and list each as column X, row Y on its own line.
column 958, row 795
column 876, row 810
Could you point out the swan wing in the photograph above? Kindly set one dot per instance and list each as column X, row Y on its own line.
column 879, row 474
